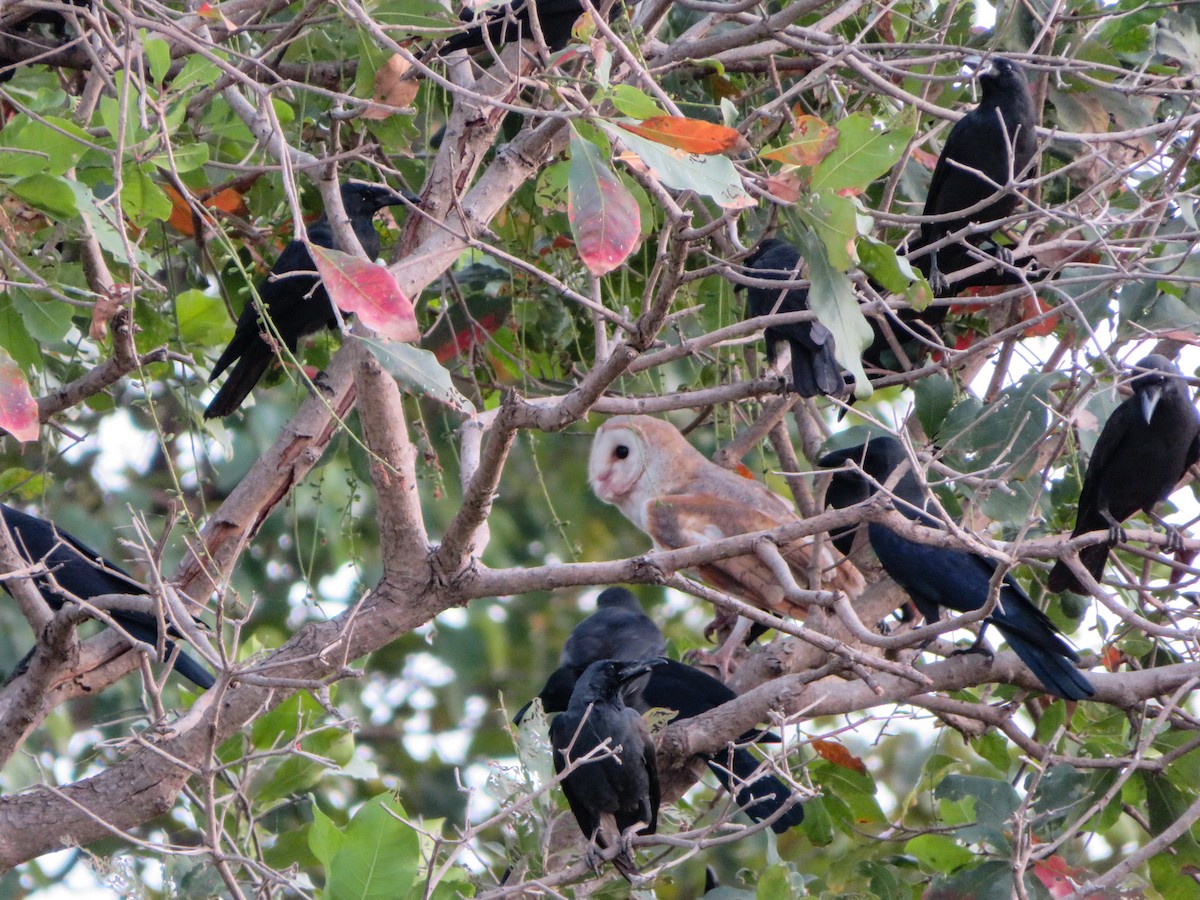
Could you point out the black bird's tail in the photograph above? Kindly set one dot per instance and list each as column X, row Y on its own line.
column 1094, row 558
column 1050, row 659
column 761, row 797
column 148, row 633
column 815, row 370
column 250, row 368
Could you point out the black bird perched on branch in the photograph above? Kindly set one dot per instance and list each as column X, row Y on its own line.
column 620, row 630
column 943, row 577
column 511, row 22
column 815, row 370
column 616, row 790
column 987, row 148
column 294, row 298
column 1144, row 450
column 80, row 571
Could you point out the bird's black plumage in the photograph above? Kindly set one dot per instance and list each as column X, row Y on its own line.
column 620, row 630
column 84, row 573
column 294, row 298
column 945, row 578
column 610, row 794
column 510, row 22
column 815, row 369
column 986, row 149
column 1144, row 449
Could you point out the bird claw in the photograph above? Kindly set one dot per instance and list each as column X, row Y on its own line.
column 1116, row 535
column 978, row 647
column 592, row 857
column 1174, row 539
column 321, row 383
column 1003, row 255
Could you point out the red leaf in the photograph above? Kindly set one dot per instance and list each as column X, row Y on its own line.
column 18, row 409
column 839, row 755
column 1056, row 876
column 228, row 200
column 604, row 216
column 691, row 135
column 369, row 291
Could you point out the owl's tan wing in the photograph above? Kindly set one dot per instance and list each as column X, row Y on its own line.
column 687, row 520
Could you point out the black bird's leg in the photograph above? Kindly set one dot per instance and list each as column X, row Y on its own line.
column 978, row 647
column 1116, row 534
column 937, row 281
column 322, row 383
column 1174, row 537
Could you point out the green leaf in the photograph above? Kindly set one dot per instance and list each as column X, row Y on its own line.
column 935, row 396
column 894, row 272
column 158, row 56
column 834, row 219
column 198, row 71
column 15, row 338
column 981, row 807
column 46, row 318
column 551, row 191
column 774, row 884
column 865, row 150
column 324, row 837
column 938, row 853
column 29, row 147
column 991, row 880
column 380, row 857
column 50, row 193
column 833, row 299
column 635, row 103
column 712, row 176
column 297, row 774
column 817, row 825
column 419, row 371
column 184, row 157
column 143, row 200
column 203, row 320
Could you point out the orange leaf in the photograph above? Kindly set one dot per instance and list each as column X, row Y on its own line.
column 1034, row 306
column 691, row 135
column 392, row 89
column 741, row 469
column 18, row 409
column 1112, row 657
column 228, row 200
column 839, row 755
column 369, row 291
column 810, row 143
column 925, row 158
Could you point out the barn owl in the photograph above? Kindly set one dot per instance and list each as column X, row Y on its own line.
column 664, row 486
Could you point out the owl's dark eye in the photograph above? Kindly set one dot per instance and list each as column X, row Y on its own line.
column 621, row 451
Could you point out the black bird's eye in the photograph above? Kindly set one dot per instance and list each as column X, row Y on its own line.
column 621, row 451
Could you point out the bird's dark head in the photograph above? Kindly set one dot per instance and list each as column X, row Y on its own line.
column 879, row 457
column 1151, row 377
column 362, row 199
column 604, row 679
column 998, row 75
column 773, row 254
column 618, row 598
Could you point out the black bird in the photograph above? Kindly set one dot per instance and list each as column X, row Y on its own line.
column 989, row 145
column 940, row 577
column 620, row 630
column 815, row 370
column 1144, row 450
column 510, row 22
column 618, row 790
column 81, row 571
column 689, row 692
column 294, row 298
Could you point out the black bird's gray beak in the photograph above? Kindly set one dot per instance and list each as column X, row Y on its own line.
column 633, row 670
column 1149, row 397
column 978, row 65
